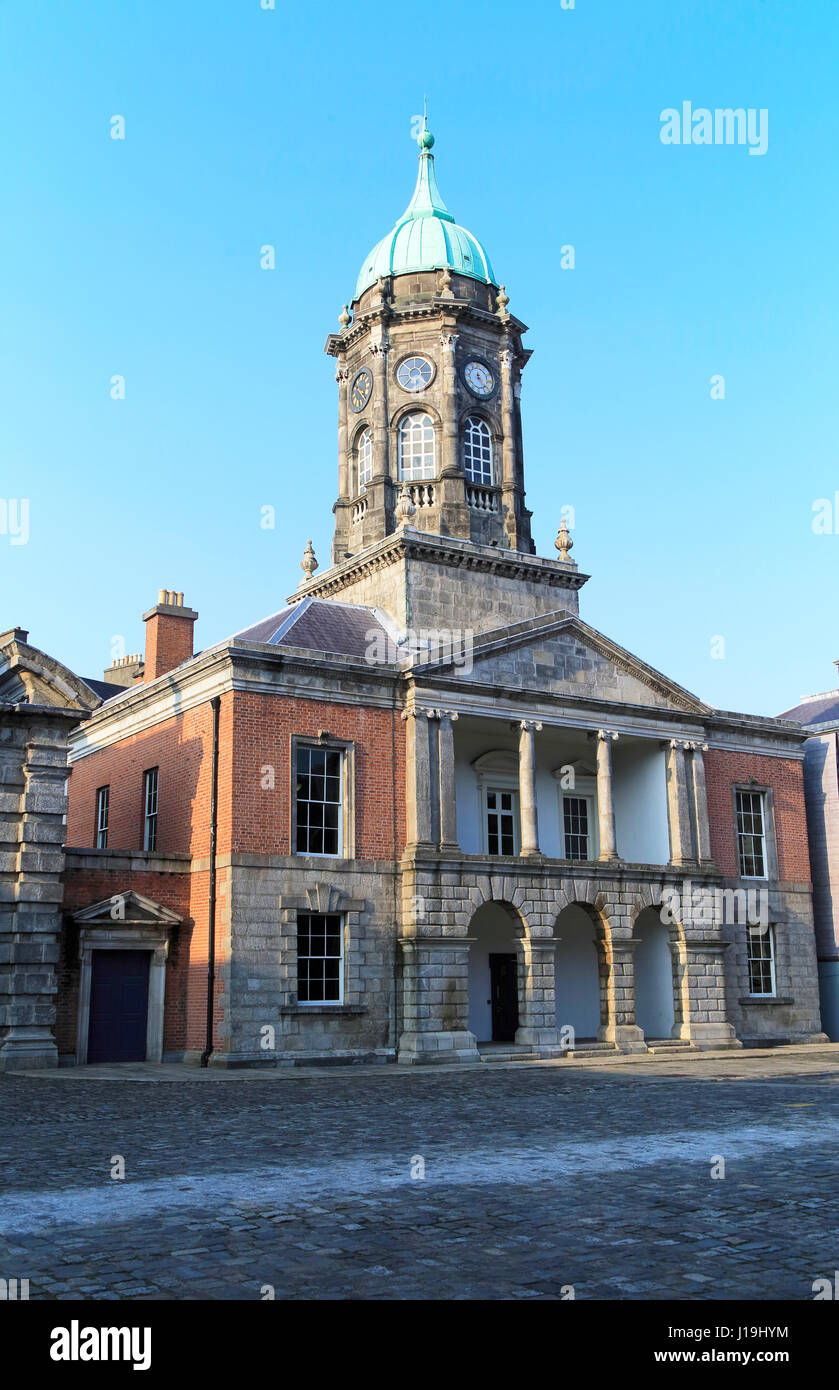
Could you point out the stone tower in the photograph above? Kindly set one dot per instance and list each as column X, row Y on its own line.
column 430, row 519
column 429, row 378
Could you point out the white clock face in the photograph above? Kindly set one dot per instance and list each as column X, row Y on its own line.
column 479, row 378
column 415, row 373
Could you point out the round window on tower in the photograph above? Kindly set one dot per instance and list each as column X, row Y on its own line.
column 415, row 373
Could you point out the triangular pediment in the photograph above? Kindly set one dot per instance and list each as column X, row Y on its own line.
column 126, row 909
column 558, row 654
column 30, row 676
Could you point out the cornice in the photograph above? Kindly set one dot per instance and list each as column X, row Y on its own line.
column 411, row 544
column 412, row 312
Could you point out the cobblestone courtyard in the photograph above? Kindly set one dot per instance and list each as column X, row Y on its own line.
column 536, row 1178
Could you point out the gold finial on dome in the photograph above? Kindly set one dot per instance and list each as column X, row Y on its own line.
column 563, row 541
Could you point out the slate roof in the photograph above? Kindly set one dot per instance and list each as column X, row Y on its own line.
column 324, row 625
column 817, row 709
column 106, row 690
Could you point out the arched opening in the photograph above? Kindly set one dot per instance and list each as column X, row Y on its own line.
column 577, row 974
column 494, row 968
column 654, row 1007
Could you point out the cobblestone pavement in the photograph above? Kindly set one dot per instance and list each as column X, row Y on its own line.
column 536, row 1177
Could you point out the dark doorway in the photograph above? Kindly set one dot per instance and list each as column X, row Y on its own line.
column 504, row 992
column 119, row 1006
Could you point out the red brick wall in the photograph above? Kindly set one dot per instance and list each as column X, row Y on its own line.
column 181, row 748
column 786, row 778
column 254, row 732
column 263, row 727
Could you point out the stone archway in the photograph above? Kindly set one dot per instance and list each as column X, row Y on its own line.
column 658, row 1013
column 495, row 973
column 581, row 964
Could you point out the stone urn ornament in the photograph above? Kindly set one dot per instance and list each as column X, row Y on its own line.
column 563, row 541
column 309, row 562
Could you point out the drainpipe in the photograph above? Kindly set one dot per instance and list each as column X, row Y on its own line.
column 211, row 941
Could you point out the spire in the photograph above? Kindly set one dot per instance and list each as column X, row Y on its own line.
column 427, row 200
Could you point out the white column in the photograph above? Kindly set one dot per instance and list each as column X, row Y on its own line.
column 700, row 802
column 678, row 809
column 605, row 799
column 448, row 798
column 527, row 788
column 417, row 778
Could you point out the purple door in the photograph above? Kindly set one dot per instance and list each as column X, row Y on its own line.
column 119, row 1006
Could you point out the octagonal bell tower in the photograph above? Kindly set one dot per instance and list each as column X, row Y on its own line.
column 429, row 367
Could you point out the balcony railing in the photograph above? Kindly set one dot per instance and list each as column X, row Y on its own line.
column 480, row 498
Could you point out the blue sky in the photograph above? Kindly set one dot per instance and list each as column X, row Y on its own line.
column 246, row 127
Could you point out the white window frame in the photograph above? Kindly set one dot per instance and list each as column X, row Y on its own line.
column 501, row 786
column 756, row 934
column 151, row 803
column 364, row 461
column 764, row 846
column 477, row 425
column 103, row 803
column 323, row 1003
column 427, row 467
column 496, row 771
column 591, row 838
column 300, row 745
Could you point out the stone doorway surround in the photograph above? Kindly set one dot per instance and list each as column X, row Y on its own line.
column 125, row 922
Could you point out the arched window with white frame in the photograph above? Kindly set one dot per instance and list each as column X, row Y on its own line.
column 416, row 447
column 364, row 459
column 477, row 451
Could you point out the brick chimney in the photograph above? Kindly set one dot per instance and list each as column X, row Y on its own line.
column 168, row 635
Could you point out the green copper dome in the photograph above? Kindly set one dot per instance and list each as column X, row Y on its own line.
column 426, row 237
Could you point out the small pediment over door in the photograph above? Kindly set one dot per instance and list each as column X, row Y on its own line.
column 128, row 909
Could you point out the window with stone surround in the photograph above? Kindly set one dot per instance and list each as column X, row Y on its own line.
column 502, row 820
column 577, row 822
column 760, row 952
column 319, row 800
column 751, row 833
column 477, row 451
column 416, row 447
column 150, row 809
column 103, row 797
column 320, row 958
column 364, row 459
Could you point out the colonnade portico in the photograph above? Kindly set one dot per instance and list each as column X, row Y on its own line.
column 445, row 882
column 439, row 911
column 432, row 798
